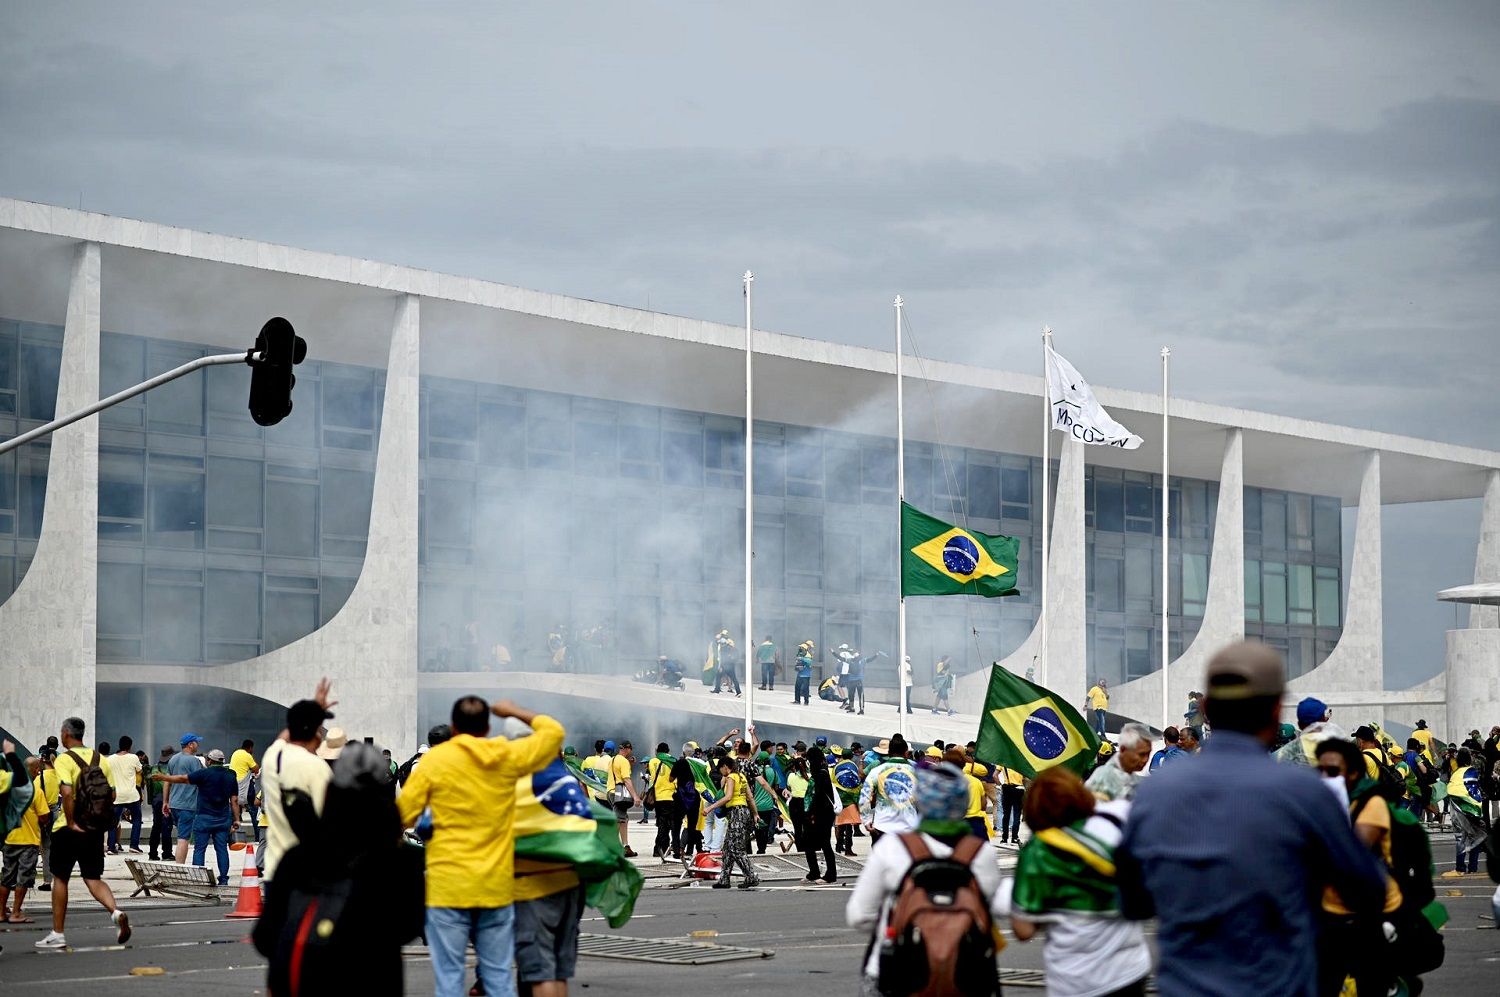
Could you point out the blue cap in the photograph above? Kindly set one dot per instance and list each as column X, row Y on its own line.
column 821, row 741
column 188, row 739
column 609, row 746
column 1310, row 711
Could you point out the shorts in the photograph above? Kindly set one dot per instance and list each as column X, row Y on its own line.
column 19, row 872
column 622, row 812
column 547, row 936
column 84, row 849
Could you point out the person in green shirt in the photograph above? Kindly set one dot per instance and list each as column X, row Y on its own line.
column 766, row 654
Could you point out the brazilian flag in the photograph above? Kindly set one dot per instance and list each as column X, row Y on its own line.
column 941, row 559
column 1027, row 728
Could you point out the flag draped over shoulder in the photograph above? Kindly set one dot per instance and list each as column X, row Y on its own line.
column 591, row 782
column 1065, row 870
column 938, row 558
column 1077, row 412
column 558, row 826
column 1028, row 728
column 1464, row 791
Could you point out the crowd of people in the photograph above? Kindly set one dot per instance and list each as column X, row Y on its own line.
column 1341, row 889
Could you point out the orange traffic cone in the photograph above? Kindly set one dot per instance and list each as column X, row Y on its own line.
column 248, row 904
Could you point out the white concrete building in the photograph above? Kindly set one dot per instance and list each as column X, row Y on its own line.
column 471, row 466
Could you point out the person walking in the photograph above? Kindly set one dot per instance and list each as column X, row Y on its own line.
column 469, row 784
column 180, row 798
column 1065, row 890
column 821, row 807
column 735, row 802
column 689, row 804
column 126, row 769
column 79, row 842
column 942, row 686
column 1235, row 888
column 663, row 792
column 795, row 795
column 245, row 768
column 1096, row 705
column 724, row 660
column 903, row 681
column 620, row 789
column 766, row 656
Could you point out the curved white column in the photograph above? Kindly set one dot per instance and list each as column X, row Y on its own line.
column 1067, row 592
column 1358, row 662
column 1224, row 612
column 49, row 622
column 1487, row 557
column 1472, row 667
column 369, row 648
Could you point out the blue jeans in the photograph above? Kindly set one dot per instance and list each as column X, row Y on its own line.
column 134, row 810
column 493, row 931
column 1099, row 722
column 218, row 834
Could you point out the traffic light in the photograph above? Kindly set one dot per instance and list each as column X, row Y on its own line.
column 271, row 377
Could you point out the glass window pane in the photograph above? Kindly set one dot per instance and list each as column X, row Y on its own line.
column 176, row 509
column 451, row 415
column 1139, row 578
column 1109, row 506
column 1252, row 590
column 293, row 511
column 770, row 468
column 502, row 435
column 450, row 513
column 682, row 458
column 346, row 501
column 120, row 600
column 236, row 492
column 334, row 592
column 39, row 368
column 842, row 466
column 1328, row 526
column 1194, row 583
column 176, row 407
column 234, row 611
column 174, row 623
column 841, row 562
column 289, row 616
column 1273, row 520
column 122, row 484
column 1108, row 584
column 349, row 402
column 1273, row 592
column 984, row 491
column 1327, row 597
column 122, row 363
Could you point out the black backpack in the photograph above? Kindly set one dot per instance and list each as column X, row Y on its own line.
column 1419, row 946
column 93, row 796
column 1388, row 783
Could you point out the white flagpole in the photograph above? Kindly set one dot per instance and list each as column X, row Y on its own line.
column 749, row 646
column 1046, row 489
column 1166, row 506
column 901, row 703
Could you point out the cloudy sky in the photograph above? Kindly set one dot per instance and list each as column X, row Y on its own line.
column 1302, row 200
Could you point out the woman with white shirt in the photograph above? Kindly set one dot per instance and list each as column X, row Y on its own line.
column 1065, row 887
column 942, row 799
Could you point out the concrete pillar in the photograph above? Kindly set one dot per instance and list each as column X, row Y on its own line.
column 1067, row 599
column 374, row 635
column 49, row 622
column 1223, row 615
column 1487, row 557
column 1358, row 662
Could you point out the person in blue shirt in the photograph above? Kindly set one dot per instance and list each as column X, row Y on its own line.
column 801, row 690
column 1171, row 749
column 217, row 812
column 1237, row 889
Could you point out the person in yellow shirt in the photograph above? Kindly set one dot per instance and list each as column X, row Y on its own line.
column 469, row 783
column 663, row 790
column 974, row 775
column 1097, row 705
column 51, row 789
column 736, row 804
column 73, row 846
column 620, row 791
column 245, row 768
column 23, row 845
column 1422, row 734
column 1350, row 944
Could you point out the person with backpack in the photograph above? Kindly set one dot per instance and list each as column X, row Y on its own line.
column 1378, row 764
column 926, row 895
column 355, row 880
column 1065, row 889
column 88, row 809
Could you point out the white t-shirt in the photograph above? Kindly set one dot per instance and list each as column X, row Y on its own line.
column 125, row 768
column 288, row 766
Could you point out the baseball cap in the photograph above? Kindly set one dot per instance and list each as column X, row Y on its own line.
column 934, row 752
column 570, row 751
column 1310, row 711
column 821, row 741
column 304, row 717
column 609, row 746
column 1245, row 670
column 189, row 738
column 216, row 755
column 1364, row 732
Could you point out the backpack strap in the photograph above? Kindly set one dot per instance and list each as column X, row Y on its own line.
column 1111, row 818
column 78, row 760
column 916, row 847
column 967, row 848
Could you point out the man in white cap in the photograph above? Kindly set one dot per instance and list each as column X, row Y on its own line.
column 217, row 811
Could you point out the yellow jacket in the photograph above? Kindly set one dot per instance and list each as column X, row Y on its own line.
column 470, row 784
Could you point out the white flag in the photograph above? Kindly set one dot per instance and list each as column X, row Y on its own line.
column 1077, row 412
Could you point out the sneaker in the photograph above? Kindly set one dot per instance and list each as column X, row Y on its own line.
column 121, row 920
column 630, row 853
column 53, row 940
column 952, row 713
column 934, row 711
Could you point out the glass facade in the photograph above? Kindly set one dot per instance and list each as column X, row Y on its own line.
column 621, row 525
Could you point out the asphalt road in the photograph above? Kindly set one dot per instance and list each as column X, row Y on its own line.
column 812, row 952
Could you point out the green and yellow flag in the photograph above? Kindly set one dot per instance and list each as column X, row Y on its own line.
column 1027, row 728
column 940, row 559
